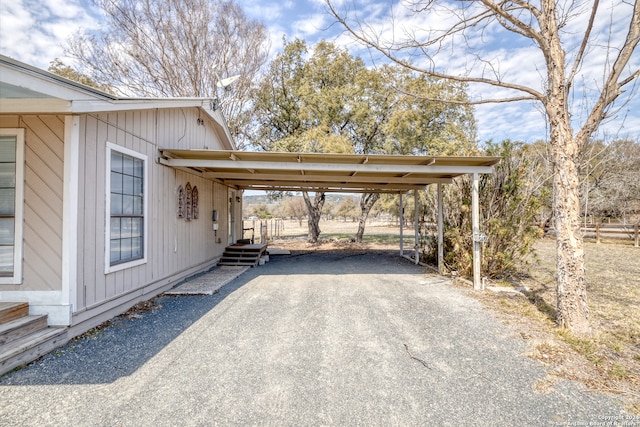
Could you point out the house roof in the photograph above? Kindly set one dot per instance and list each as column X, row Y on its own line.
column 25, row 89
column 326, row 172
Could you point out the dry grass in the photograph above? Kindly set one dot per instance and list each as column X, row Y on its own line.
column 378, row 235
column 607, row 361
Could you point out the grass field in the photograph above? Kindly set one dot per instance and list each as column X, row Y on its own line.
column 608, row 360
column 376, row 232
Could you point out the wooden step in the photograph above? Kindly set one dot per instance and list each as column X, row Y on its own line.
column 232, row 250
column 242, row 253
column 21, row 327
column 13, row 310
column 246, row 248
column 31, row 347
column 240, row 256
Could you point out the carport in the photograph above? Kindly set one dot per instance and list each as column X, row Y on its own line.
column 345, row 173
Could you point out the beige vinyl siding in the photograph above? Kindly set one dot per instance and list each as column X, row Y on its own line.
column 179, row 128
column 43, row 190
column 173, row 245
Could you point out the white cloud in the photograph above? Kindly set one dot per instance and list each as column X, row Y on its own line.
column 310, row 26
column 34, row 32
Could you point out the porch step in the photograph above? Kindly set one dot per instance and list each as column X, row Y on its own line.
column 24, row 337
column 30, row 347
column 13, row 310
column 242, row 255
column 18, row 328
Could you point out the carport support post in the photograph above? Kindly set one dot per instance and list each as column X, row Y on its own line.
column 401, row 226
column 475, row 221
column 440, row 232
column 416, row 226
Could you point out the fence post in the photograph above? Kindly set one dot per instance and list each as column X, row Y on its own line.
column 636, row 235
column 597, row 232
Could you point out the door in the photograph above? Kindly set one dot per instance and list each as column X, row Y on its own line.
column 231, row 218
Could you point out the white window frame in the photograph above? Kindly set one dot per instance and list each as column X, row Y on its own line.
column 108, row 268
column 16, row 279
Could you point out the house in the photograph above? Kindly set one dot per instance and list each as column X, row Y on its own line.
column 108, row 201
column 90, row 221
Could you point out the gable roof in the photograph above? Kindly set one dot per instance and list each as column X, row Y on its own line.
column 25, row 89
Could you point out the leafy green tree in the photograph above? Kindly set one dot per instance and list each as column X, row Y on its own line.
column 277, row 101
column 307, row 105
column 261, row 211
column 419, row 125
column 331, row 102
column 347, row 208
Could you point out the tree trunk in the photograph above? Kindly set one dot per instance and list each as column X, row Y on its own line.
column 573, row 311
column 315, row 212
column 366, row 203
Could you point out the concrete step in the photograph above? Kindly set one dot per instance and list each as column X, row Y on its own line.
column 21, row 327
column 232, row 262
column 13, row 310
column 30, row 347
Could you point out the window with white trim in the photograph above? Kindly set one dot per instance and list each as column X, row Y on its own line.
column 11, row 204
column 126, row 208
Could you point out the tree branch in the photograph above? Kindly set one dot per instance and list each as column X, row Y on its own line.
column 387, row 52
column 613, row 87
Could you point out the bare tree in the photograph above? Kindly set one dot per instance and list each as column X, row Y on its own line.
column 295, row 207
column 176, row 48
column 568, row 36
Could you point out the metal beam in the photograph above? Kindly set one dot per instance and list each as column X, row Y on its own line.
column 325, row 178
column 320, row 184
column 440, row 232
column 326, row 167
column 475, row 221
column 401, row 210
column 323, row 189
column 416, row 226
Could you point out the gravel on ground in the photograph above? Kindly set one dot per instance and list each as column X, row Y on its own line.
column 324, row 338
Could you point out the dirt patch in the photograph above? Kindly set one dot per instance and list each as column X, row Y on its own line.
column 330, row 245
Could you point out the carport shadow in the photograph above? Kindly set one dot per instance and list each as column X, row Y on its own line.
column 342, row 261
column 128, row 341
column 122, row 345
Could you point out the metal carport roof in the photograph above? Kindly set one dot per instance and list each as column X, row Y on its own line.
column 326, row 172
column 357, row 173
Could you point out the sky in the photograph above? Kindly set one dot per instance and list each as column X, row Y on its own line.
column 34, row 32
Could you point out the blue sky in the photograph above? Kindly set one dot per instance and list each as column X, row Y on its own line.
column 34, row 31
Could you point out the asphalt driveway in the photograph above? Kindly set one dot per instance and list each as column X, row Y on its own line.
column 308, row 339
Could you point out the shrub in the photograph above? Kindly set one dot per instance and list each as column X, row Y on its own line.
column 510, row 199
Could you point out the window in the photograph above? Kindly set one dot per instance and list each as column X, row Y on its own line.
column 126, row 208
column 11, row 204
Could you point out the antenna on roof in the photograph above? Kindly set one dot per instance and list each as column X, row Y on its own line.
column 225, row 83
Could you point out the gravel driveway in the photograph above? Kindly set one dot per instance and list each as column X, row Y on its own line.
column 307, row 339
